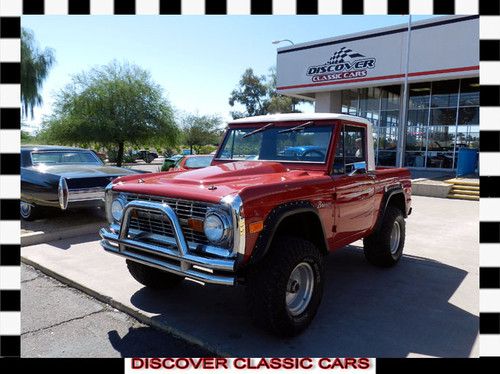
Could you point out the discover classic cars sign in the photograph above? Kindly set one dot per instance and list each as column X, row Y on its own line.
column 378, row 57
column 344, row 64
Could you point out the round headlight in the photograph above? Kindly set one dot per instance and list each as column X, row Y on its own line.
column 117, row 209
column 215, row 227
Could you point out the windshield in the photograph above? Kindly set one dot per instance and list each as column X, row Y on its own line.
column 309, row 144
column 64, row 157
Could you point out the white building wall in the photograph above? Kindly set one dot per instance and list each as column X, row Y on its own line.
column 328, row 102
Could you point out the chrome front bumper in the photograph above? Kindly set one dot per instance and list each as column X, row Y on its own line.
column 174, row 255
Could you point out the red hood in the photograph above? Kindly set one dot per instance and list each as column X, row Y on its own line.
column 211, row 183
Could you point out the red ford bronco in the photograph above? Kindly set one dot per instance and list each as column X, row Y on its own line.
column 281, row 192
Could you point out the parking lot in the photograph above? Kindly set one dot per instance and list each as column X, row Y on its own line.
column 426, row 306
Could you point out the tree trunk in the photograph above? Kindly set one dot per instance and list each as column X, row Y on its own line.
column 119, row 157
column 191, row 149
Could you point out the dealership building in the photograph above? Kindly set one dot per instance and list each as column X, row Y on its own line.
column 418, row 83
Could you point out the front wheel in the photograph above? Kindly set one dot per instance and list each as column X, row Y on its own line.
column 284, row 290
column 28, row 211
column 384, row 247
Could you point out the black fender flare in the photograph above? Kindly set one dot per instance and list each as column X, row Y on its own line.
column 273, row 221
column 388, row 195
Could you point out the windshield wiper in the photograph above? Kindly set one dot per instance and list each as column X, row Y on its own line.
column 260, row 129
column 297, row 128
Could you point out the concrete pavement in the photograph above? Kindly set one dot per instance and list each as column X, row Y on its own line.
column 57, row 224
column 427, row 305
column 68, row 323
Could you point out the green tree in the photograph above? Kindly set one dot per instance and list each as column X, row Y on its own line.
column 280, row 103
column 201, row 130
column 35, row 66
column 112, row 105
column 258, row 95
column 251, row 93
column 26, row 137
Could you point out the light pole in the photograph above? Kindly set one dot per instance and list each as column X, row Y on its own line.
column 283, row 40
column 401, row 149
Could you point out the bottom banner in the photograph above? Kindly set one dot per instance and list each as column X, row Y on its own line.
column 231, row 365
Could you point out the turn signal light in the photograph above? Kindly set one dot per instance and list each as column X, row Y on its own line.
column 255, row 227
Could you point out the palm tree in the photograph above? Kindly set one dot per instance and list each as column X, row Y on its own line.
column 35, row 66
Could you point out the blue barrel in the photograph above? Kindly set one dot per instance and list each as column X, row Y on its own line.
column 467, row 161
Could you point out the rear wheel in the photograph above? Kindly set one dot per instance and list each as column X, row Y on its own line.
column 28, row 211
column 385, row 247
column 284, row 290
column 152, row 277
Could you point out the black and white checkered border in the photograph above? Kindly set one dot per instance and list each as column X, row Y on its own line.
column 11, row 10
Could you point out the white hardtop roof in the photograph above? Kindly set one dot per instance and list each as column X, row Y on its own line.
column 299, row 117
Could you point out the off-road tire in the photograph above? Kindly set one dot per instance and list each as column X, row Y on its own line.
column 152, row 277
column 377, row 246
column 266, row 286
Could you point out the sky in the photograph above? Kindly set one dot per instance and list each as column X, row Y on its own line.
column 197, row 60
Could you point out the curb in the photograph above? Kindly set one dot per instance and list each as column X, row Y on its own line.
column 39, row 237
column 135, row 313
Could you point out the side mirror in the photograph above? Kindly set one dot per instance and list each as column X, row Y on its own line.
column 358, row 168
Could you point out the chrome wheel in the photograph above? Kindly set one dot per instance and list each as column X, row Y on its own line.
column 299, row 289
column 25, row 209
column 395, row 237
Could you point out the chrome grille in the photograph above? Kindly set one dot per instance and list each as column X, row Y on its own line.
column 158, row 224
column 151, row 222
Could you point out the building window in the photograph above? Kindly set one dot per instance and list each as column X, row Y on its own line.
column 443, row 116
column 416, row 136
column 469, row 92
column 380, row 105
column 468, row 127
column 419, row 103
column 418, row 120
column 442, row 126
column 440, row 145
column 369, row 100
column 390, row 98
column 350, row 102
column 468, row 115
column 420, row 94
column 445, row 94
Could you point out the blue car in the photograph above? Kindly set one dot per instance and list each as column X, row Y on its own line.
column 304, row 151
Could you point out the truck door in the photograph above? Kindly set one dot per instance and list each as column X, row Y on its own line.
column 354, row 185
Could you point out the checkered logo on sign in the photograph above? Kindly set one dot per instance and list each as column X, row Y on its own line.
column 341, row 54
